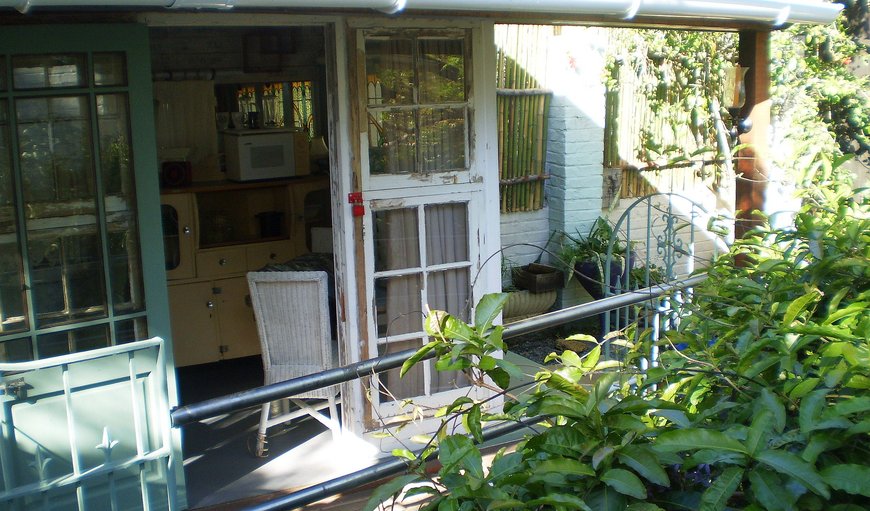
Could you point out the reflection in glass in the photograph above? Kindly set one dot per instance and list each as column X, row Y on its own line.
column 12, row 312
column 442, row 139
column 54, row 137
column 396, row 239
column 390, row 71
column 66, row 275
column 394, row 148
column 71, row 341
column 110, row 69
column 55, row 148
column 130, row 330
column 16, row 350
column 392, row 387
column 442, row 70
column 125, row 267
column 48, row 71
column 398, row 305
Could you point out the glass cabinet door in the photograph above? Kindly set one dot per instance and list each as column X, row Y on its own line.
column 178, row 236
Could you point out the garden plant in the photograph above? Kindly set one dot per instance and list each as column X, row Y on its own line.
column 758, row 400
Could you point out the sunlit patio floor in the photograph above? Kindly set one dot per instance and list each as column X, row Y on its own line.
column 222, row 474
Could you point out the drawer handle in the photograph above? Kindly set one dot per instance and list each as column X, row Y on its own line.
column 273, row 256
column 209, row 305
column 186, row 230
column 222, row 261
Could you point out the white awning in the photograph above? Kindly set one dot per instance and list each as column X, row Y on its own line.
column 770, row 12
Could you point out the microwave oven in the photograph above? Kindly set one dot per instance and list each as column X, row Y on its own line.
column 259, row 154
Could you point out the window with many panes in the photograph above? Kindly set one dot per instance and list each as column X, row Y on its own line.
column 70, row 265
column 417, row 102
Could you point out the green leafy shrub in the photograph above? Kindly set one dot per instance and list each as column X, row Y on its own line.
column 758, row 401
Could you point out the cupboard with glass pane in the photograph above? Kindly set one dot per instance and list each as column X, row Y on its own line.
column 214, row 233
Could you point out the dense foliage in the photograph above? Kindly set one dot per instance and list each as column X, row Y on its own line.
column 817, row 98
column 759, row 400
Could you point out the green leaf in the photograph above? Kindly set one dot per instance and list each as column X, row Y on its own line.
column 563, row 440
column 458, row 451
column 770, row 402
column 416, row 357
column 488, row 308
column 715, row 498
column 601, row 454
column 564, row 466
column 471, row 421
column 500, row 377
column 769, row 491
column 850, row 478
column 559, row 501
column 486, row 363
column 497, row 505
column 759, row 431
column 643, row 506
column 803, row 388
column 811, row 409
column 387, row 490
column 693, row 439
column 792, row 466
column 624, row 482
column 800, row 305
column 643, row 460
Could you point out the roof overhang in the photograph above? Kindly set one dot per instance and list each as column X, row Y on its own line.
column 773, row 13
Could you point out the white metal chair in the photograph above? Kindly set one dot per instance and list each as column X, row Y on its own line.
column 292, row 313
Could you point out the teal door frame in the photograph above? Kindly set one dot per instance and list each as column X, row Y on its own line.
column 132, row 39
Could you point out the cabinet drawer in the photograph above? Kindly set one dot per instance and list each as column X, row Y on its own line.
column 261, row 254
column 226, row 261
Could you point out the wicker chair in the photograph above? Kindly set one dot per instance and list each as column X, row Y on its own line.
column 292, row 313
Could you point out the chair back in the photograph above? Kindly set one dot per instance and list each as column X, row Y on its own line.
column 292, row 313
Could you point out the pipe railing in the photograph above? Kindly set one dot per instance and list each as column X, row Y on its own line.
column 260, row 395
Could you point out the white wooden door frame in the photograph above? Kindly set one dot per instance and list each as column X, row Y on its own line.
column 482, row 175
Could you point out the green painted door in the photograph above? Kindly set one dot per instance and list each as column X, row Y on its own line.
column 81, row 257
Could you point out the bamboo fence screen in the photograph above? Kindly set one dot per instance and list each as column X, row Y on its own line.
column 523, row 107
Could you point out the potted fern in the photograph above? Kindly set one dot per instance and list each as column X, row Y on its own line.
column 585, row 256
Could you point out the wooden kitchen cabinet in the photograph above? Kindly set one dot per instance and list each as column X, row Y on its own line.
column 214, row 233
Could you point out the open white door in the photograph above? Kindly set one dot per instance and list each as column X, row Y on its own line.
column 424, row 102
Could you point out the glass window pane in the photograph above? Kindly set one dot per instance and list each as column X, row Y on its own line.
column 447, row 233
column 12, row 309
column 54, row 137
column 393, row 146
column 396, row 238
column 110, row 69
column 71, row 341
column 66, row 275
column 16, row 350
column 390, row 71
column 2, row 72
column 125, row 268
column 392, row 387
column 49, row 71
column 442, row 139
column 130, row 330
column 442, row 70
column 450, row 291
column 398, row 305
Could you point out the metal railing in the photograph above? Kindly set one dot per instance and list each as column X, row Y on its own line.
column 258, row 396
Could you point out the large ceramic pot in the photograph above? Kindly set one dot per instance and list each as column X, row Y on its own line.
column 589, row 276
column 524, row 303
